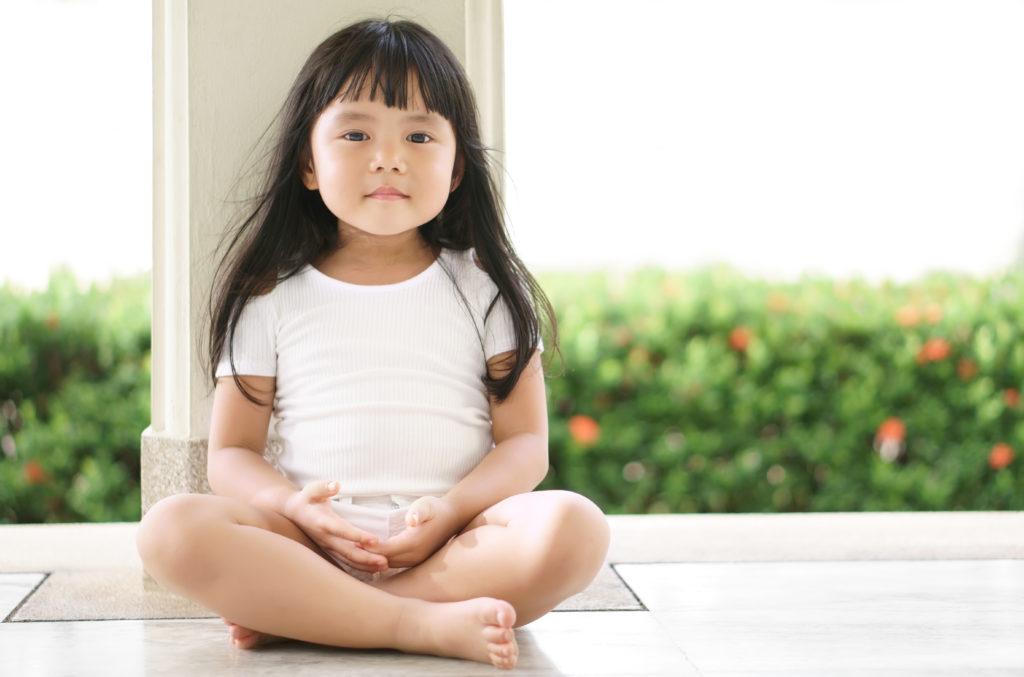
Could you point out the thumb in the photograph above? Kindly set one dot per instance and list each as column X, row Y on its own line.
column 321, row 488
column 421, row 510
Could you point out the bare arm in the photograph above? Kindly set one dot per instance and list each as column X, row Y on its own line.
column 241, row 473
column 515, row 465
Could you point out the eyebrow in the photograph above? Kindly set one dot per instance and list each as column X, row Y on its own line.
column 352, row 115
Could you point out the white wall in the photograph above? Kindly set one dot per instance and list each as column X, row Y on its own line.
column 840, row 137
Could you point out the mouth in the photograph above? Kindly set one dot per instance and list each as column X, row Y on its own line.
column 387, row 196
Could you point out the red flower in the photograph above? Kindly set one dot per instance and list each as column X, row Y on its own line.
column 739, row 338
column 584, row 429
column 934, row 349
column 966, row 369
column 34, row 473
column 892, row 428
column 1011, row 396
column 1000, row 456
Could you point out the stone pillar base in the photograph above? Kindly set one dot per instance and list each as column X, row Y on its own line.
column 173, row 465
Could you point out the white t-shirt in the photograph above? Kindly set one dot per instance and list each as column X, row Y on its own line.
column 378, row 386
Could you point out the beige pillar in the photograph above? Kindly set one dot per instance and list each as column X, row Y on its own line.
column 221, row 69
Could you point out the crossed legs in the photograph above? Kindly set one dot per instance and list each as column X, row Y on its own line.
column 261, row 571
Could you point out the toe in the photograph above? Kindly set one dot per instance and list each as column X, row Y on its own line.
column 499, row 649
column 501, row 614
column 497, row 634
column 506, row 663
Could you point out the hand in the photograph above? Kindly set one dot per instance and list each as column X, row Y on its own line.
column 311, row 511
column 430, row 523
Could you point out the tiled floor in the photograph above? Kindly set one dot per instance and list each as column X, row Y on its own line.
column 817, row 594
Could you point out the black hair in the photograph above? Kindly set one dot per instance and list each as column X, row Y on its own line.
column 290, row 225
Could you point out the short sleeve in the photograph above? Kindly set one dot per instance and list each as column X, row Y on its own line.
column 499, row 333
column 255, row 344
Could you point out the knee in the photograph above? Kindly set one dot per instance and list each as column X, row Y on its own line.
column 580, row 534
column 165, row 532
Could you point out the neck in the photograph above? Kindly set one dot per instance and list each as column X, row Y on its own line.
column 366, row 250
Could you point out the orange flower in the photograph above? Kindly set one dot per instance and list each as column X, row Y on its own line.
column 1000, row 456
column 34, row 473
column 1011, row 396
column 908, row 316
column 777, row 302
column 966, row 369
column 892, row 428
column 584, row 429
column 739, row 338
column 933, row 313
column 934, row 349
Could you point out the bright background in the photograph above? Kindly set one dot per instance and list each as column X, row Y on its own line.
column 76, row 132
column 879, row 139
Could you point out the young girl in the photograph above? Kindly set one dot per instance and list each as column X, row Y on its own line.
column 373, row 298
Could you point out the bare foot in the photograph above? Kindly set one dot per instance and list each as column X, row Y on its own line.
column 468, row 629
column 244, row 638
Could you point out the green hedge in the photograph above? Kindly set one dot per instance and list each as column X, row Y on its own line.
column 74, row 397
column 697, row 392
column 710, row 392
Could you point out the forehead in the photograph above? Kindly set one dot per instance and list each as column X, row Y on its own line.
column 359, row 106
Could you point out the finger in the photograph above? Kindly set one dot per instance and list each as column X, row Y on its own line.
column 348, row 562
column 318, row 490
column 342, row 528
column 357, row 554
column 421, row 510
column 370, row 568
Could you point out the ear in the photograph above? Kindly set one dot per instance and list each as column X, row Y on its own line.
column 457, row 172
column 309, row 173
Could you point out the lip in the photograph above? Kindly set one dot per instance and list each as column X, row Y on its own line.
column 387, row 192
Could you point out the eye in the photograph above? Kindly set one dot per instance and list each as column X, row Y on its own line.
column 347, row 134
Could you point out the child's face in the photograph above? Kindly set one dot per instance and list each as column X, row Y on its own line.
column 354, row 157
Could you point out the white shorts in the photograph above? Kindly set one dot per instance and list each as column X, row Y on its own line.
column 382, row 516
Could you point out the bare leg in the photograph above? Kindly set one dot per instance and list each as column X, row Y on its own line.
column 533, row 550
column 225, row 555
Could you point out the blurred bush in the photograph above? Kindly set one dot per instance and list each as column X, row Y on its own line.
column 710, row 392
column 74, row 397
column 682, row 392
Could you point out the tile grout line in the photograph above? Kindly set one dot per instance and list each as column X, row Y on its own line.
column 46, row 576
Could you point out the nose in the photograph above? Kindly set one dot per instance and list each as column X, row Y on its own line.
column 388, row 156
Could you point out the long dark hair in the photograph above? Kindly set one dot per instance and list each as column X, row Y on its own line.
column 290, row 225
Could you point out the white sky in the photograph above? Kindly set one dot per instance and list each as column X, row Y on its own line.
column 76, row 133
column 824, row 136
column 873, row 138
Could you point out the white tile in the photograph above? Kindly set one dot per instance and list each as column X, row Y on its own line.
column 14, row 588
column 559, row 643
column 965, row 617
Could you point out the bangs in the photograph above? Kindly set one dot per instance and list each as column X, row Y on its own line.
column 393, row 66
